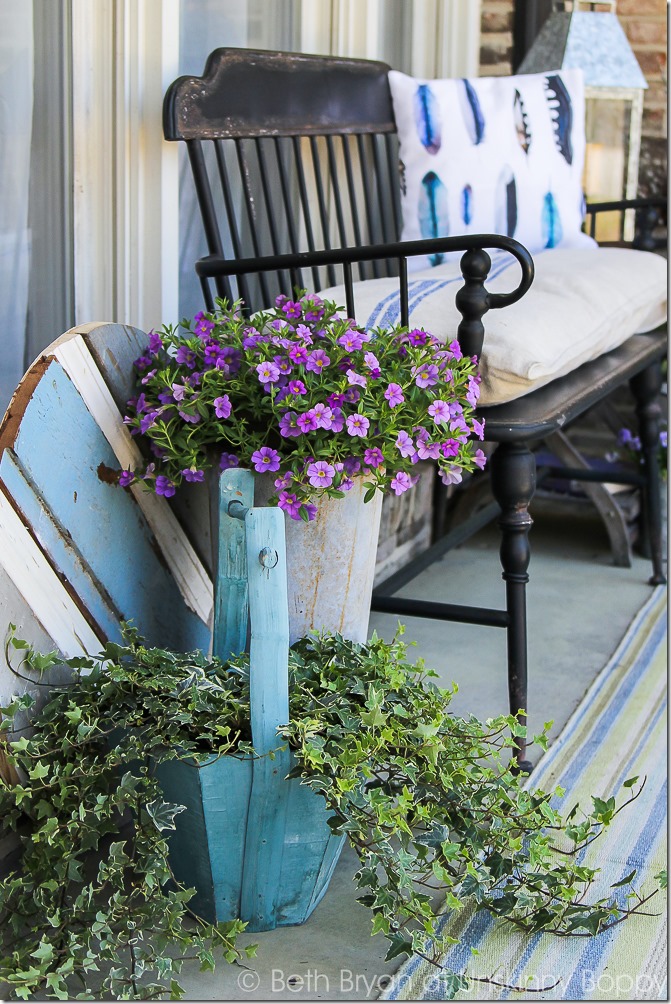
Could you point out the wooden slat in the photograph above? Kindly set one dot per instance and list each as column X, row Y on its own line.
column 269, row 700
column 72, row 469
column 229, row 630
column 187, row 569
column 44, row 593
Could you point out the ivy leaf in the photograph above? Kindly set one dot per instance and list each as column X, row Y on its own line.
column 163, row 814
column 398, row 945
column 625, row 881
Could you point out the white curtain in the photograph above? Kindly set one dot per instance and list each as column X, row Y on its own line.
column 16, row 117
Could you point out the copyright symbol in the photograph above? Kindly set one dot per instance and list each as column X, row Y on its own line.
column 249, row 981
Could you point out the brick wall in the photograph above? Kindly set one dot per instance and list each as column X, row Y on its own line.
column 645, row 23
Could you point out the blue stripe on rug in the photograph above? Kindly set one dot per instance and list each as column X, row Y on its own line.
column 634, row 680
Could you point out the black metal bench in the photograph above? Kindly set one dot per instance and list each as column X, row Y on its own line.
column 294, row 159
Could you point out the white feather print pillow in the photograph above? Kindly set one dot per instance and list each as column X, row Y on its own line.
column 498, row 155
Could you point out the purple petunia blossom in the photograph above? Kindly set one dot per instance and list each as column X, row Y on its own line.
column 455, row 349
column 192, row 474
column 663, row 438
column 351, row 465
column 355, row 379
column 405, row 444
column 307, row 422
column 283, row 481
column 417, row 337
column 352, row 395
column 302, row 331
column 178, row 391
column 351, row 341
column 186, row 357
column 141, row 404
column 401, row 482
column 479, row 428
column 311, row 511
column 289, row 425
column 292, row 310
column 164, row 486
column 268, row 372
column 371, row 361
column 143, row 363
column 323, row 416
column 229, row 360
column 165, row 397
column 228, row 460
column 283, row 365
column 212, row 353
column 191, row 419
column 426, row 375
column 155, row 342
column 202, row 327
column 427, row 450
column 320, row 474
column 451, row 476
column 222, row 406
column 148, row 420
column 297, row 387
column 298, row 354
column 126, row 478
column 374, row 457
column 439, row 411
column 290, row 504
column 338, row 422
column 394, row 395
column 357, row 425
column 480, row 459
column 450, row 448
column 317, row 361
column 266, row 459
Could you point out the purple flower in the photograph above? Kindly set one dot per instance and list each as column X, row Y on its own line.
column 148, row 376
column 320, row 474
column 143, row 363
column 455, row 349
column 450, row 448
column 149, row 419
column 439, row 411
column 451, row 476
column 351, row 341
column 155, row 342
column 298, row 354
column 427, row 450
column 417, row 337
column 165, row 397
column 480, row 459
column 356, row 379
column 228, row 460
column 290, row 504
column 193, row 474
column 425, row 375
column 283, row 481
column 394, row 395
column 268, row 372
column 289, row 427
column 302, row 331
column 351, row 465
column 266, row 459
column 229, row 360
column 164, row 486
column 178, row 391
column 401, row 482
column 311, row 510
column 212, row 353
column 126, row 478
column 292, row 310
column 283, row 365
column 323, row 416
column 317, row 361
column 663, row 438
column 357, row 425
column 202, row 327
column 222, row 406
column 479, row 428
column 186, row 357
column 297, row 387
column 191, row 419
column 371, row 361
column 141, row 404
column 307, row 422
column 405, row 445
column 352, row 395
column 374, row 457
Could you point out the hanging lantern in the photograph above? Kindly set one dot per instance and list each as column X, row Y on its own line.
column 595, row 42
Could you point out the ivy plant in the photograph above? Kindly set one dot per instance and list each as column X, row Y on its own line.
column 426, row 798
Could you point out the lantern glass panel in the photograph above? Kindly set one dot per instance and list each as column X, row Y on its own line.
column 607, row 127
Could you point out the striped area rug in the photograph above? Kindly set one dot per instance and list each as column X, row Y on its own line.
column 617, row 732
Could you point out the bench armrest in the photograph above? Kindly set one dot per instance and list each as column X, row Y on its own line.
column 650, row 213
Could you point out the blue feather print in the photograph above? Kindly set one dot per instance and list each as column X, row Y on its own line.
column 427, row 118
column 551, row 222
column 561, row 111
column 472, row 112
column 506, row 202
column 432, row 211
column 467, row 204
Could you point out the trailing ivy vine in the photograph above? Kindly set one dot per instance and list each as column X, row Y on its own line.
column 426, row 798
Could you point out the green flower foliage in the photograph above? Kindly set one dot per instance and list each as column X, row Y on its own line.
column 426, row 799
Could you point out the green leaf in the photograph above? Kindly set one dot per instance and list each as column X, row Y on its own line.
column 625, row 881
column 163, row 814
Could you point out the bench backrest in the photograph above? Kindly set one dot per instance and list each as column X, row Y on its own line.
column 289, row 153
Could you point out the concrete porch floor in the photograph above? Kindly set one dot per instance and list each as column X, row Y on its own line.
column 579, row 607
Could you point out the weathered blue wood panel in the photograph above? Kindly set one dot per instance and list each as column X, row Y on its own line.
column 229, row 631
column 72, row 469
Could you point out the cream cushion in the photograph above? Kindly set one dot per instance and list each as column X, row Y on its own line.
column 582, row 303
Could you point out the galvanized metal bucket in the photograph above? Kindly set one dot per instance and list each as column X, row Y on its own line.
column 254, row 844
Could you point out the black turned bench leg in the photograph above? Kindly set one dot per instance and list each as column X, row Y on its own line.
column 513, row 475
column 645, row 387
